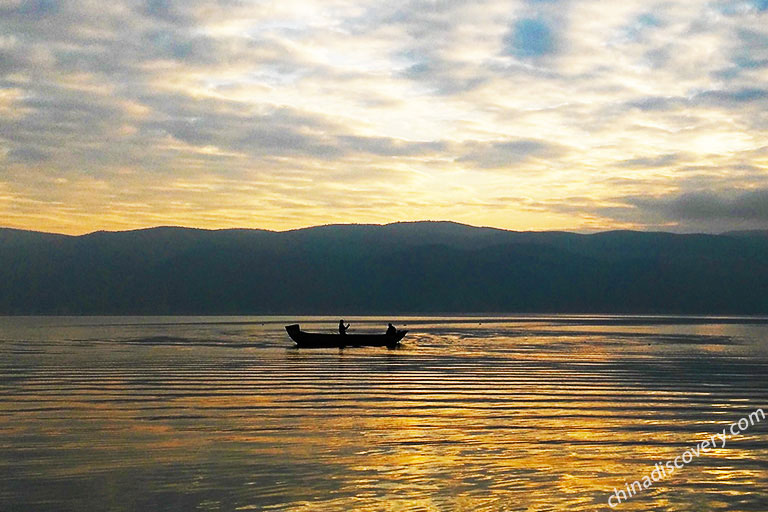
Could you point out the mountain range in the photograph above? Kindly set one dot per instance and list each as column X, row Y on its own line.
column 413, row 267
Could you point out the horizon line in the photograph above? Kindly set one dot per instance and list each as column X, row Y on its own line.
column 373, row 224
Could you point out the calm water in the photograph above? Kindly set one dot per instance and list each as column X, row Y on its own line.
column 517, row 413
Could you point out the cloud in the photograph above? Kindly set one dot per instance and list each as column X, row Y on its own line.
column 650, row 161
column 750, row 205
column 656, row 103
column 27, row 155
column 162, row 9
column 166, row 44
column 498, row 154
column 725, row 98
column 278, row 132
column 30, row 9
column 732, row 97
column 751, row 50
column 384, row 146
column 214, row 112
column 268, row 132
column 444, row 76
column 639, row 27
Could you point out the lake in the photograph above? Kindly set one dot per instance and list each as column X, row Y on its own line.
column 528, row 413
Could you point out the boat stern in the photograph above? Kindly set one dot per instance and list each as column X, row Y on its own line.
column 293, row 331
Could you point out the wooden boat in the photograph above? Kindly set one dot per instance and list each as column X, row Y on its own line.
column 318, row 340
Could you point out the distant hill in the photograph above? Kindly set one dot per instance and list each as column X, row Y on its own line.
column 749, row 233
column 414, row 267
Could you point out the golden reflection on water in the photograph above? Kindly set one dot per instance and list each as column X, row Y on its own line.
column 499, row 415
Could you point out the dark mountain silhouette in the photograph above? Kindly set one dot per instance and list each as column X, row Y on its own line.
column 413, row 267
column 753, row 232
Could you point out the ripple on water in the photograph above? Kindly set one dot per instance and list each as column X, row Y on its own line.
column 542, row 414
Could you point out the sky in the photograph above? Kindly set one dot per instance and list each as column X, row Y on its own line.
column 527, row 115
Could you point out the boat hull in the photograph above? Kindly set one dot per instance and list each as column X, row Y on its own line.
column 319, row 340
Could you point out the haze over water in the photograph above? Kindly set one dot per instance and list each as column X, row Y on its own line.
column 514, row 413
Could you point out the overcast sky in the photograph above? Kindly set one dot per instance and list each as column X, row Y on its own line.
column 537, row 114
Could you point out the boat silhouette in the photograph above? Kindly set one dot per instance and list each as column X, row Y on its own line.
column 322, row 340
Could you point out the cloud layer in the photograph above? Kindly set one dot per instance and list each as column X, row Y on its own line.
column 525, row 114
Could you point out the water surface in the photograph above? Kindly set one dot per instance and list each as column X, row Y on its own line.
column 474, row 413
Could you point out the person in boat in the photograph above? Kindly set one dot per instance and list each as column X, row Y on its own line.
column 391, row 331
column 343, row 328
